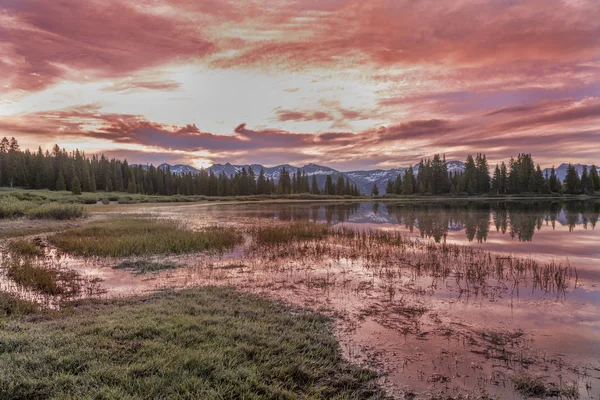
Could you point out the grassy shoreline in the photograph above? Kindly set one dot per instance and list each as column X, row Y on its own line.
column 100, row 199
column 208, row 342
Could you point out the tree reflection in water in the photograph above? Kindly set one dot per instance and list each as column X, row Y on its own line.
column 519, row 219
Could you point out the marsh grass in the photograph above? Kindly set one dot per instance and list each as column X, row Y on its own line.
column 136, row 237
column 146, row 266
column 12, row 306
column 48, row 281
column 294, row 231
column 206, row 343
column 536, row 387
column 389, row 253
column 25, row 248
column 57, row 211
column 13, row 207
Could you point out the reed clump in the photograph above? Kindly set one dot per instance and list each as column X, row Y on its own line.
column 290, row 232
column 25, row 248
column 138, row 237
column 48, row 281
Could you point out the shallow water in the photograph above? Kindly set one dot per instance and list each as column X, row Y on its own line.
column 428, row 333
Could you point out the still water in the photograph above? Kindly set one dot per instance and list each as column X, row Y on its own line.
column 564, row 231
column 559, row 332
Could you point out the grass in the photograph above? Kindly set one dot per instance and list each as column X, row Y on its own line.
column 57, row 211
column 208, row 343
column 48, row 281
column 530, row 386
column 25, row 248
column 289, row 232
column 13, row 207
column 145, row 266
column 137, row 237
column 473, row 270
column 12, row 306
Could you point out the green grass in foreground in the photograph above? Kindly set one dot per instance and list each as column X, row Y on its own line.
column 136, row 237
column 206, row 343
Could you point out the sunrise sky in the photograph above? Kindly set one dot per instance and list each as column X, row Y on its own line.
column 352, row 84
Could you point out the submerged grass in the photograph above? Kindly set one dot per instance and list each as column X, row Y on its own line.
column 294, row 231
column 474, row 271
column 209, row 343
column 48, row 281
column 530, row 386
column 145, row 266
column 137, row 237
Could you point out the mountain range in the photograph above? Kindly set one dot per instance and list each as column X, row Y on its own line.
column 561, row 171
column 363, row 179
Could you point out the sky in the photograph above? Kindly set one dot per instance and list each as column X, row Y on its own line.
column 351, row 84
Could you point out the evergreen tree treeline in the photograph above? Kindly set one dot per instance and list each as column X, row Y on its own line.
column 59, row 170
column 521, row 175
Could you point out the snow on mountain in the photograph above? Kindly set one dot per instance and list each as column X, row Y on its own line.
column 561, row 171
column 455, row 166
column 179, row 169
column 364, row 180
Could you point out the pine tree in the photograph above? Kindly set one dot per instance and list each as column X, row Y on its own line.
column 314, row 186
column 285, row 183
column 483, row 174
column 389, row 188
column 470, row 175
column 585, row 182
column 60, row 182
column 329, row 188
column 76, row 185
column 553, row 181
column 375, row 190
column 497, row 180
column 398, row 184
column 131, row 186
column 261, row 183
column 595, row 177
column 340, row 186
column 408, row 182
column 572, row 183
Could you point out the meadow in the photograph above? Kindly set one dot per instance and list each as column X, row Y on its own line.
column 209, row 343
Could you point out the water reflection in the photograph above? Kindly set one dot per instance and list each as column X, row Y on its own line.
column 518, row 219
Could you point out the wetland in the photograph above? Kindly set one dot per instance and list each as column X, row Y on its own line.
column 439, row 300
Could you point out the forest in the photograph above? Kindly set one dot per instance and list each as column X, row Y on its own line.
column 521, row 176
column 74, row 171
